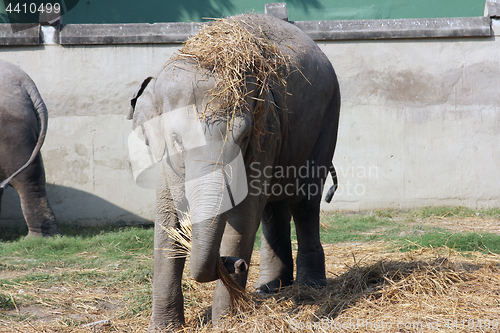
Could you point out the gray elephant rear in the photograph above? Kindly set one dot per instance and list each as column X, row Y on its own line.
column 23, row 119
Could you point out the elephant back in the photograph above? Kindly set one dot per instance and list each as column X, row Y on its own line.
column 15, row 96
column 289, row 39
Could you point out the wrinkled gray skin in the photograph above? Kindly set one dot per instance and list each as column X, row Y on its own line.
column 23, row 124
column 301, row 132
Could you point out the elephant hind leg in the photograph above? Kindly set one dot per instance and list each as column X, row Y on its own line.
column 30, row 184
column 276, row 262
column 310, row 254
column 1, row 192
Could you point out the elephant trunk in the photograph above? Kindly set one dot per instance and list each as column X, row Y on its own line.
column 206, row 239
column 206, row 198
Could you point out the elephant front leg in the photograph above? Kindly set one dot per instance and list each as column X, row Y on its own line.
column 276, row 262
column 168, row 302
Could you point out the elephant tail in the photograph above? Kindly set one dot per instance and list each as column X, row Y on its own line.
column 42, row 114
column 332, row 189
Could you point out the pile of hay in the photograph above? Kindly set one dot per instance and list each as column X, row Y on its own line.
column 427, row 290
column 231, row 52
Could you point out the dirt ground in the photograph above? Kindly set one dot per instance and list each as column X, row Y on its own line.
column 471, row 224
column 370, row 288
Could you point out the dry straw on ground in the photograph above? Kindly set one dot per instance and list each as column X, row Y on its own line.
column 371, row 289
column 427, row 290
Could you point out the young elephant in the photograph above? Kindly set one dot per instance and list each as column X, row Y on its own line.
column 267, row 160
column 23, row 123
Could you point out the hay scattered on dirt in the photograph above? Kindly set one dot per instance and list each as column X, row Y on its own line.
column 427, row 290
column 231, row 52
column 71, row 307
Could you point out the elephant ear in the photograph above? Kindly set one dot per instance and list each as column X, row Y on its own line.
column 146, row 118
column 137, row 93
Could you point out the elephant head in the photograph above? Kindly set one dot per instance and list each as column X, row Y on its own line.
column 201, row 150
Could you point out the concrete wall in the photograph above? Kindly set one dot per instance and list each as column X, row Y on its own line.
column 420, row 124
column 87, row 90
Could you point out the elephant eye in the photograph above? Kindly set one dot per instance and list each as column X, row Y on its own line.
column 178, row 143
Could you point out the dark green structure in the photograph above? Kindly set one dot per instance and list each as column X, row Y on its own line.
column 152, row 11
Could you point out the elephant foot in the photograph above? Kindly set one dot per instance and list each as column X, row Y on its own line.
column 311, row 281
column 153, row 328
column 272, row 281
column 45, row 231
column 311, row 268
column 273, row 286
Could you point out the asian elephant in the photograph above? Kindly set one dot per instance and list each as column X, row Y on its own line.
column 23, row 124
column 234, row 172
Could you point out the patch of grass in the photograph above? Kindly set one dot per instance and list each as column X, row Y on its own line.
column 465, row 242
column 6, row 302
column 403, row 228
column 60, row 272
column 140, row 301
column 122, row 255
column 454, row 211
column 491, row 212
column 71, row 251
column 340, row 227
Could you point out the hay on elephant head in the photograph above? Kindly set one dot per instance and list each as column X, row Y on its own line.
column 232, row 53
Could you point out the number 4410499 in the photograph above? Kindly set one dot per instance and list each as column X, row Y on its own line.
column 33, row 8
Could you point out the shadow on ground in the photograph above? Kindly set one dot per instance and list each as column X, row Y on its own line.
column 95, row 214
